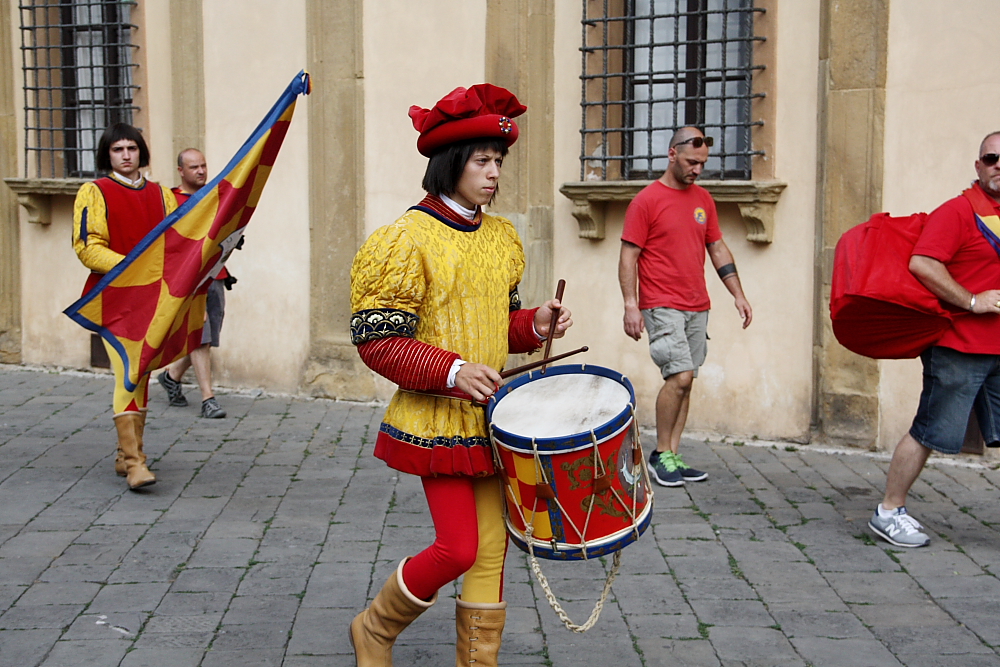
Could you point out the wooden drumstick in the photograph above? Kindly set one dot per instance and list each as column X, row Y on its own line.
column 535, row 364
column 560, row 288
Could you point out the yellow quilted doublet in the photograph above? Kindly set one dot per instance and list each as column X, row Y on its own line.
column 458, row 285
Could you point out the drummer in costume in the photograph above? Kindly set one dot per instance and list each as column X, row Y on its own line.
column 436, row 311
column 110, row 216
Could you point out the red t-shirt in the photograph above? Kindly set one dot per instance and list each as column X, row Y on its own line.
column 951, row 236
column 672, row 227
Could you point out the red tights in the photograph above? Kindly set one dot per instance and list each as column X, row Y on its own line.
column 469, row 539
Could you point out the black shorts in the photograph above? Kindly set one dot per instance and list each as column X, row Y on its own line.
column 215, row 308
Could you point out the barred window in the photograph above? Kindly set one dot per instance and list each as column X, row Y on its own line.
column 78, row 62
column 652, row 66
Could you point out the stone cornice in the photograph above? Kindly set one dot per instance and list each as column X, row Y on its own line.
column 35, row 194
column 756, row 199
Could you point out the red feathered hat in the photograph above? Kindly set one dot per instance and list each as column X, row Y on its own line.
column 482, row 111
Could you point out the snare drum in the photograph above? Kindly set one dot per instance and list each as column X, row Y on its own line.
column 568, row 450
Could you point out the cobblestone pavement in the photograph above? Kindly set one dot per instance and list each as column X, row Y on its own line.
column 268, row 529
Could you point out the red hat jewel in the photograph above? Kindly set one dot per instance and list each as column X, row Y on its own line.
column 481, row 111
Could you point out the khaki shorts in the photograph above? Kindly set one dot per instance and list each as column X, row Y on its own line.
column 678, row 339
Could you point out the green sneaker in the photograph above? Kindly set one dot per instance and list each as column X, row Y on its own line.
column 663, row 467
column 689, row 474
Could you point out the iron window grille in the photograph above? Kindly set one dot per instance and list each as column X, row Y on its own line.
column 77, row 57
column 652, row 66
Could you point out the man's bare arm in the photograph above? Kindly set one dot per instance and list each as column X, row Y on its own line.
column 935, row 277
column 722, row 260
column 628, row 278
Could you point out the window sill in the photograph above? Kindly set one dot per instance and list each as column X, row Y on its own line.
column 756, row 199
column 35, row 194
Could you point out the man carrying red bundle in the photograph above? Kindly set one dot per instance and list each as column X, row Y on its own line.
column 956, row 258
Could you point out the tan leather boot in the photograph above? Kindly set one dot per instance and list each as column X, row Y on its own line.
column 374, row 631
column 120, row 458
column 479, row 626
column 141, row 431
column 120, row 463
column 129, row 426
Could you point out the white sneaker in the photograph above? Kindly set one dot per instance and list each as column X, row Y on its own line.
column 899, row 528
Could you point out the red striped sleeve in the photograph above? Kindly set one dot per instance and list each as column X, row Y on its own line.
column 521, row 336
column 409, row 363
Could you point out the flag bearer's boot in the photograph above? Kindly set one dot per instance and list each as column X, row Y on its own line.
column 374, row 631
column 120, row 458
column 479, row 626
column 129, row 426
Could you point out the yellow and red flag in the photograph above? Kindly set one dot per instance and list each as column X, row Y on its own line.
column 151, row 306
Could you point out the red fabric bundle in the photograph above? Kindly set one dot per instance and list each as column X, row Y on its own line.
column 879, row 309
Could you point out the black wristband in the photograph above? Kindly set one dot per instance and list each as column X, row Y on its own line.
column 726, row 271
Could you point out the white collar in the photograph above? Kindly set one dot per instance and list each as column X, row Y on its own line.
column 126, row 181
column 467, row 213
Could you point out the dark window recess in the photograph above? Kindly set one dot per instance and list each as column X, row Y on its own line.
column 652, row 66
column 78, row 64
column 98, row 353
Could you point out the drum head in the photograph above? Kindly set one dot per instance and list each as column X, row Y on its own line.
column 555, row 406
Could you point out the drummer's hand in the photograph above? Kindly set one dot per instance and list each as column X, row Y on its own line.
column 543, row 318
column 477, row 380
column 634, row 324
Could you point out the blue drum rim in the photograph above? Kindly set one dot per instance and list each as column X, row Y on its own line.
column 543, row 549
column 563, row 443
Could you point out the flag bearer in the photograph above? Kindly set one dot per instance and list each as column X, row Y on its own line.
column 111, row 215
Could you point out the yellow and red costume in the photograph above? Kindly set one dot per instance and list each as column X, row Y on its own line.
column 453, row 287
column 426, row 291
column 110, row 217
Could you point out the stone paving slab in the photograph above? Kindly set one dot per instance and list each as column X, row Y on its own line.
column 268, row 530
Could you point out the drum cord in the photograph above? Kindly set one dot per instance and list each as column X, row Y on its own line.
column 599, row 469
column 616, row 564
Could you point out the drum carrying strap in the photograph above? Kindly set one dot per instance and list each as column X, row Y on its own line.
column 529, row 528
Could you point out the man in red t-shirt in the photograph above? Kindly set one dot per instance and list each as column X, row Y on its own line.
column 955, row 261
column 668, row 228
column 194, row 174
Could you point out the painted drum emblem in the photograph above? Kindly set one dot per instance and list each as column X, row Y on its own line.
column 506, row 125
column 699, row 215
column 630, row 474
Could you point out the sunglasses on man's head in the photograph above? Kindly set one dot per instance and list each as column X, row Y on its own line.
column 989, row 159
column 696, row 142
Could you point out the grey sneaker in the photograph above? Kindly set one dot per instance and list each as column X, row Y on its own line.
column 899, row 528
column 210, row 409
column 689, row 474
column 664, row 469
column 175, row 393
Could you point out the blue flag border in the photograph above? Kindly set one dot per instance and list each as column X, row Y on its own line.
column 299, row 85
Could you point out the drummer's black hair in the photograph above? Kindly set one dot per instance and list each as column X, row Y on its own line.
column 445, row 167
